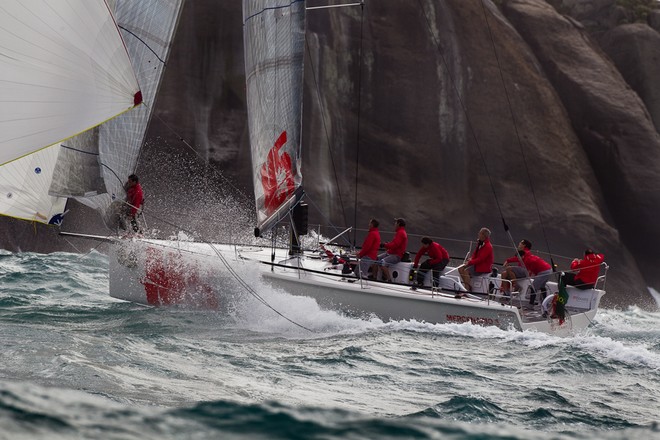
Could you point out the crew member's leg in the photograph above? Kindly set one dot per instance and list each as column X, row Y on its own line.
column 388, row 261
column 464, row 272
column 539, row 283
column 421, row 272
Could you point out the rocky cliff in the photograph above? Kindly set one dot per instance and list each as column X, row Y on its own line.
column 453, row 114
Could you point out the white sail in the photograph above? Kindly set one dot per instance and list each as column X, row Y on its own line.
column 274, row 35
column 24, row 184
column 77, row 171
column 147, row 27
column 95, row 163
column 63, row 70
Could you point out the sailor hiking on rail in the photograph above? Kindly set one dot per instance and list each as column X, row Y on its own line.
column 481, row 261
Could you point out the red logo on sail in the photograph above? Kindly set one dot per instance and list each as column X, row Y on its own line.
column 277, row 176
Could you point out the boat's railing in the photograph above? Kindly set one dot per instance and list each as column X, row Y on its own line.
column 508, row 297
column 600, row 281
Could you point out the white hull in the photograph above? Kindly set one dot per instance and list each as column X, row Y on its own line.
column 155, row 272
column 393, row 302
column 168, row 273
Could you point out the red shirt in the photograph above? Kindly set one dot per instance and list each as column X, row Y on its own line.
column 436, row 253
column 371, row 244
column 534, row 264
column 399, row 244
column 134, row 197
column 589, row 268
column 482, row 257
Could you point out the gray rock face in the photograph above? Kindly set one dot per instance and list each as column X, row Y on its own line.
column 635, row 50
column 654, row 20
column 596, row 15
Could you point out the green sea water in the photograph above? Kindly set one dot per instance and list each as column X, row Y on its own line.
column 77, row 364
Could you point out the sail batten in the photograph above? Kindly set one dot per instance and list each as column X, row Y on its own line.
column 274, row 35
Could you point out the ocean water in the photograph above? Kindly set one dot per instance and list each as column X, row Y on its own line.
column 77, row 364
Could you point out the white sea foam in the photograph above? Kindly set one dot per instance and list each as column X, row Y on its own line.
column 304, row 311
column 654, row 293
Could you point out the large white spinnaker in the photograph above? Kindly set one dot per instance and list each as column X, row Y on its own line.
column 274, row 36
column 63, row 69
column 93, row 168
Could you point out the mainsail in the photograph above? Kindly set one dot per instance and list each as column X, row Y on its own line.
column 64, row 69
column 274, row 35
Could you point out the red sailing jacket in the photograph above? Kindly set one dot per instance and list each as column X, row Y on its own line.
column 589, row 268
column 399, row 244
column 436, row 252
column 482, row 257
column 370, row 245
column 534, row 264
column 134, row 197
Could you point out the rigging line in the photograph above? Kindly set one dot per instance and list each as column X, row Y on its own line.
column 359, row 109
column 325, row 130
column 115, row 174
column 100, row 163
column 94, row 154
column 77, row 150
column 213, row 170
column 241, row 281
column 515, row 127
column 330, row 224
column 236, row 276
column 90, row 251
column 143, row 42
column 464, row 108
column 272, row 8
column 252, row 291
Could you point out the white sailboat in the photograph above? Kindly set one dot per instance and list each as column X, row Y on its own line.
column 160, row 272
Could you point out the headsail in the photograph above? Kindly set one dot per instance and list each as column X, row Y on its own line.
column 63, row 70
column 94, row 168
column 97, row 161
column 274, row 35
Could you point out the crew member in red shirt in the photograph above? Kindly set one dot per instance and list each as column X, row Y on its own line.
column 134, row 199
column 587, row 269
column 535, row 267
column 369, row 252
column 394, row 249
column 437, row 261
column 481, row 261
